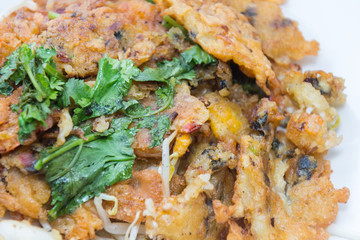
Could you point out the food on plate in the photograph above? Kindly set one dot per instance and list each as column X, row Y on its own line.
column 164, row 119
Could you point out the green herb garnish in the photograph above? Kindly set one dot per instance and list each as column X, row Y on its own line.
column 83, row 167
column 35, row 69
column 113, row 82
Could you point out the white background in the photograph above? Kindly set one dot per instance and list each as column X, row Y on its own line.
column 335, row 24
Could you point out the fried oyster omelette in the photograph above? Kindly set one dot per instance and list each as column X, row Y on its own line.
column 164, row 119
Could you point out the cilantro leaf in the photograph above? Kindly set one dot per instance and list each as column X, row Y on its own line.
column 165, row 96
column 11, row 73
column 81, row 169
column 30, row 117
column 179, row 68
column 195, row 55
column 158, row 132
column 76, row 90
column 169, row 72
column 158, row 127
column 113, row 82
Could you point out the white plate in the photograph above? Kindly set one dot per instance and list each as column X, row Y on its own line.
column 335, row 25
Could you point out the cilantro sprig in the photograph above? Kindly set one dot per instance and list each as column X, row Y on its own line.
column 83, row 168
column 34, row 68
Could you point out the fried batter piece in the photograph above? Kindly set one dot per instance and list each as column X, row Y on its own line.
column 9, row 122
column 81, row 225
column 237, row 176
column 207, row 159
column 87, row 30
column 250, row 190
column 236, row 232
column 22, row 26
column 316, row 89
column 25, row 194
column 316, row 201
column 131, row 194
column 142, row 144
column 330, row 86
column 309, row 132
column 267, row 201
column 312, row 94
column 224, row 33
column 22, row 159
column 181, row 216
column 191, row 113
column 280, row 37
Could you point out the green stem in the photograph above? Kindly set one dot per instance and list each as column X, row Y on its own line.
column 54, row 211
column 72, row 163
column 34, row 81
column 69, row 146
column 174, row 23
column 53, row 72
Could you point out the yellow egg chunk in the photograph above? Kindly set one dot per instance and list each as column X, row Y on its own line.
column 182, row 143
column 227, row 121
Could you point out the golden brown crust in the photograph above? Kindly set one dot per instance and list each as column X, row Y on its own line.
column 81, row 225
column 224, row 33
column 22, row 26
column 25, row 194
column 85, row 32
column 181, row 216
column 9, row 122
column 280, row 37
column 131, row 194
column 316, row 201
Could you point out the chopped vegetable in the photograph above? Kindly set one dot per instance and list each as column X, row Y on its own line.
column 158, row 132
column 306, row 167
column 117, row 228
column 179, row 68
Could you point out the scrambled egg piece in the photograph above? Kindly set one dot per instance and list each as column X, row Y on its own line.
column 226, row 119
